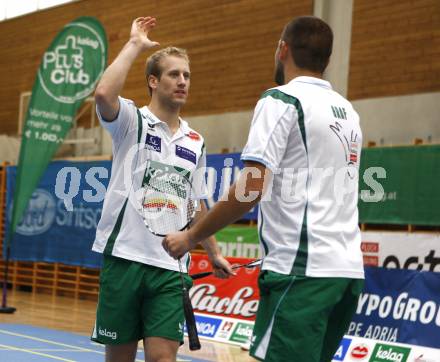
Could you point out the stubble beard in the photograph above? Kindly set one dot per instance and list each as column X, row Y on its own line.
column 172, row 104
column 279, row 73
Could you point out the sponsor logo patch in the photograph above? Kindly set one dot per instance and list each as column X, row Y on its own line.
column 180, row 329
column 153, row 143
column 106, row 333
column 359, row 352
column 370, row 247
column 367, row 248
column 194, row 136
column 242, row 333
column 371, row 260
column 422, row 358
column 207, row 326
column 203, row 264
column 226, row 329
column 353, row 152
column 39, row 214
column 388, row 353
column 186, row 154
column 342, row 349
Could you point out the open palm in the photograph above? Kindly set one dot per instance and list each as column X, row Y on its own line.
column 140, row 29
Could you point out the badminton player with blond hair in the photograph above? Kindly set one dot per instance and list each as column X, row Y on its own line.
column 140, row 295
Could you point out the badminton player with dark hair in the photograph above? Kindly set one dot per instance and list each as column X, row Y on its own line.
column 304, row 147
column 140, row 295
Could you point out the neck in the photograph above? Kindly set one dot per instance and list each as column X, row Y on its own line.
column 166, row 113
column 293, row 72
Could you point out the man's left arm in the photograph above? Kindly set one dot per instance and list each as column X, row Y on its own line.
column 242, row 197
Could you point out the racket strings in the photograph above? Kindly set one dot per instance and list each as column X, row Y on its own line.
column 167, row 205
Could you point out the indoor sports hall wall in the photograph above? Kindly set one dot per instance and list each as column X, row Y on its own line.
column 231, row 45
column 394, row 74
column 395, row 48
column 386, row 59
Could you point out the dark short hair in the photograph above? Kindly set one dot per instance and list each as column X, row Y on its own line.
column 310, row 41
column 153, row 67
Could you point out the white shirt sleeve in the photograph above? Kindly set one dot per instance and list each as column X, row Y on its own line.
column 270, row 128
column 199, row 177
column 124, row 122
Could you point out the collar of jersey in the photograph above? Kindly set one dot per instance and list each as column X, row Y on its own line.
column 152, row 119
column 312, row 80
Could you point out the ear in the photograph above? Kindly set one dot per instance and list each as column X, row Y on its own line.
column 152, row 81
column 283, row 50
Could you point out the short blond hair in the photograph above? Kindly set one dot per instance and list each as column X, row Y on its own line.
column 153, row 67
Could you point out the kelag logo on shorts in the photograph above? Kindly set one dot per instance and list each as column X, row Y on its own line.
column 342, row 350
column 242, row 333
column 388, row 353
column 207, row 326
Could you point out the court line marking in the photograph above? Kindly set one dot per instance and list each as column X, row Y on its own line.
column 12, row 348
column 49, row 350
column 78, row 349
column 48, row 341
column 56, row 343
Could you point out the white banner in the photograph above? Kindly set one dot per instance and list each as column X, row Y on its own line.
column 398, row 250
column 351, row 349
column 354, row 349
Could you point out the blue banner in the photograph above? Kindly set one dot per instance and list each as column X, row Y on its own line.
column 206, row 326
column 400, row 306
column 60, row 220
column 53, row 230
column 223, row 171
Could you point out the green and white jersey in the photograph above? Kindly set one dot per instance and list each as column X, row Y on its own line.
column 310, row 138
column 141, row 140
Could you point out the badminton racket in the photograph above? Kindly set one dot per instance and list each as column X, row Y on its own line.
column 169, row 205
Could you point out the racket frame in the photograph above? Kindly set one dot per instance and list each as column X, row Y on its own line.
column 194, row 343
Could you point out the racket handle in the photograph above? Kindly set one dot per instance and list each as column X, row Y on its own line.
column 200, row 275
column 193, row 337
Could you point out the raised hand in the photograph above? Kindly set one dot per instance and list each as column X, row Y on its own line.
column 139, row 32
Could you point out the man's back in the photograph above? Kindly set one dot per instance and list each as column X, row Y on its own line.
column 309, row 222
column 308, row 137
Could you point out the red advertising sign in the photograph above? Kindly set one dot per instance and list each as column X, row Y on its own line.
column 371, row 260
column 236, row 297
column 370, row 247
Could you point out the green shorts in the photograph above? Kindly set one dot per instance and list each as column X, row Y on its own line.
column 302, row 319
column 137, row 301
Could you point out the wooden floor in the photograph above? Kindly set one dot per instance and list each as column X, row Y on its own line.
column 78, row 316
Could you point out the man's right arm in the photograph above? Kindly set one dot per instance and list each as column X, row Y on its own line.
column 113, row 79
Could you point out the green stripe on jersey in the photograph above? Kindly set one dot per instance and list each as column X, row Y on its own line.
column 117, row 228
column 115, row 232
column 139, row 126
column 188, row 263
column 260, row 233
column 288, row 99
column 300, row 263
